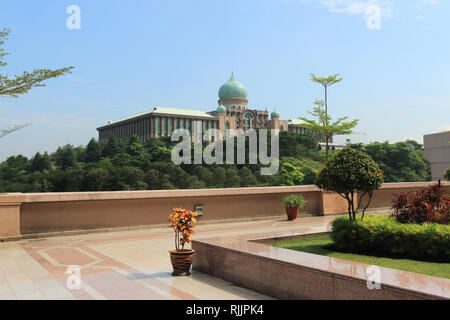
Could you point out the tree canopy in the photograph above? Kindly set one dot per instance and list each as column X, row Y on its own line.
column 324, row 125
column 115, row 164
column 20, row 84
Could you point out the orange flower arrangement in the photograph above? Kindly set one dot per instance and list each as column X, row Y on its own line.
column 182, row 222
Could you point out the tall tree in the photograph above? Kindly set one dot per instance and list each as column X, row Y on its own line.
column 21, row 84
column 326, row 82
column 324, row 125
column 93, row 151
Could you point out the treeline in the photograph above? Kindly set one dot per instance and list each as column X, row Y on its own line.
column 131, row 165
column 401, row 162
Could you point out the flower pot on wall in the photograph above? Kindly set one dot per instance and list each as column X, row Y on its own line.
column 292, row 204
column 292, row 213
column 181, row 261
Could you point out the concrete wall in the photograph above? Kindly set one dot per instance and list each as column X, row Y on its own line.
column 25, row 214
column 437, row 151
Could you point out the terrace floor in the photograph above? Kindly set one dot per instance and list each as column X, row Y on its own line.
column 131, row 264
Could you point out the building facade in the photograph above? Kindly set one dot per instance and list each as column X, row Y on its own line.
column 437, row 150
column 232, row 113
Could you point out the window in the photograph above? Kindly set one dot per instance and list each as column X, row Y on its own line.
column 184, row 123
column 158, row 125
column 248, row 122
column 165, row 126
column 171, row 126
column 178, row 124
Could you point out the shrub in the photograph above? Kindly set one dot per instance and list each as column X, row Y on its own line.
column 182, row 221
column 425, row 205
column 348, row 173
column 447, row 174
column 384, row 236
column 294, row 201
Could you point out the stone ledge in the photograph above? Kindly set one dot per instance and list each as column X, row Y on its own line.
column 299, row 275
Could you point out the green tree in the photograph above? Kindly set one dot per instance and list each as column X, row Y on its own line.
column 290, row 175
column 36, row 162
column 94, row 179
column 195, row 183
column 248, row 179
column 401, row 162
column 325, row 126
column 122, row 159
column 65, row 157
column 135, row 147
column 447, row 174
column 21, row 84
column 152, row 179
column 326, row 82
column 219, row 176
column 93, row 151
column 232, row 179
column 351, row 173
column 205, row 175
column 112, row 147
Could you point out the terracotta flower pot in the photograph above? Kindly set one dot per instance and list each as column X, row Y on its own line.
column 181, row 261
column 292, row 213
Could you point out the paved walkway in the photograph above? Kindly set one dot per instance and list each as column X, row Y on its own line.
column 131, row 264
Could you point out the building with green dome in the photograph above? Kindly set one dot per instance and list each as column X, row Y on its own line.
column 232, row 112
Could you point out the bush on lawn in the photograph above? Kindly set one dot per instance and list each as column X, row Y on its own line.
column 384, row 236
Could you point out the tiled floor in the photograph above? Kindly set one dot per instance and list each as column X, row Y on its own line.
column 131, row 264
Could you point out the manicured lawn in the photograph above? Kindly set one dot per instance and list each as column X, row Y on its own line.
column 323, row 245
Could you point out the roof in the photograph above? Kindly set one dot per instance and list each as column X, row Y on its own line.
column 232, row 89
column 296, row 122
column 173, row 111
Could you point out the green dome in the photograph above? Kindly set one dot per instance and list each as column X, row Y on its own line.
column 232, row 89
column 221, row 109
column 274, row 114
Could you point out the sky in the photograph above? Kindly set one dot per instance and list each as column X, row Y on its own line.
column 130, row 56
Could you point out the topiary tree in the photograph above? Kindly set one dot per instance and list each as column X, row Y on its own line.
column 351, row 172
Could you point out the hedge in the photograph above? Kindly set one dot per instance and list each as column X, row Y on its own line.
column 383, row 236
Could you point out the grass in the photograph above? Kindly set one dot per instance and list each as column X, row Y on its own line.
column 323, row 245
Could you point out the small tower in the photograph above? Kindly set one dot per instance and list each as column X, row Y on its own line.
column 275, row 115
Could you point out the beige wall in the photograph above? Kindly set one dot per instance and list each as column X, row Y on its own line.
column 23, row 214
column 437, row 151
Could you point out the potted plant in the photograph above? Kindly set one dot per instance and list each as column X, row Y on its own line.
column 292, row 204
column 182, row 222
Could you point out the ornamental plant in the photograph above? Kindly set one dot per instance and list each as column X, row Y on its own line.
column 294, row 201
column 424, row 205
column 182, row 221
column 354, row 176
